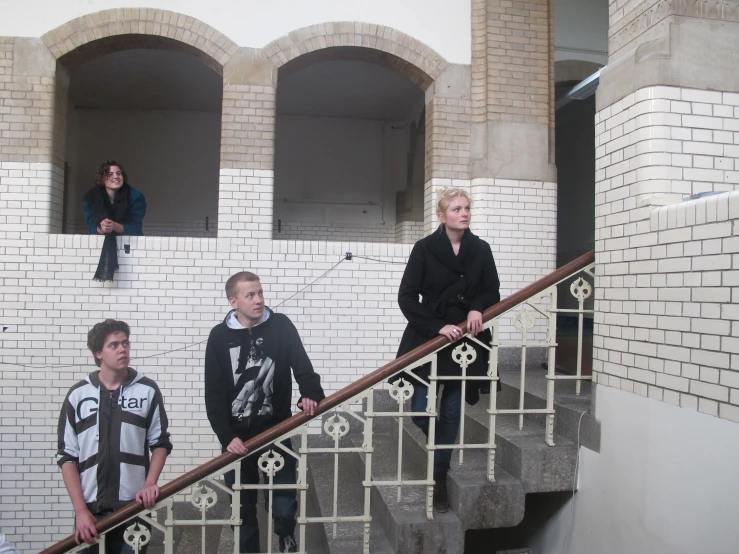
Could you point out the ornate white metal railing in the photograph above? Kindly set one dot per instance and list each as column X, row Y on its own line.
column 356, row 416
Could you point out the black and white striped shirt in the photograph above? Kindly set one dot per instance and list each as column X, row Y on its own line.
column 109, row 435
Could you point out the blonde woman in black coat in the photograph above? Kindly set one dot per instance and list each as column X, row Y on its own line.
column 453, row 272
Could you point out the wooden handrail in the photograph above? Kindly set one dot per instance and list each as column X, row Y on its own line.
column 388, row 370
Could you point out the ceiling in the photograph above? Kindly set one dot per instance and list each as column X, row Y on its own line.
column 159, row 80
column 146, row 79
column 348, row 89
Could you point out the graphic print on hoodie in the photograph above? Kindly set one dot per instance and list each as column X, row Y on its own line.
column 253, row 379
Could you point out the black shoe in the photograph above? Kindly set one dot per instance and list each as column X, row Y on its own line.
column 441, row 500
column 288, row 544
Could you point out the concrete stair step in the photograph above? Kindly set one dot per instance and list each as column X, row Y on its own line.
column 404, row 521
column 568, row 405
column 350, row 500
column 522, row 452
column 478, row 503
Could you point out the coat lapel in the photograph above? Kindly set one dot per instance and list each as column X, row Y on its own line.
column 442, row 249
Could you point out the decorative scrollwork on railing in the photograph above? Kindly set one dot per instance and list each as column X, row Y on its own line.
column 581, row 289
column 203, row 497
column 401, row 390
column 336, row 426
column 271, row 462
column 137, row 536
column 524, row 321
column 464, row 355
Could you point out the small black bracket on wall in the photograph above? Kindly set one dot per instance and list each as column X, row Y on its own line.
column 127, row 248
column 206, row 222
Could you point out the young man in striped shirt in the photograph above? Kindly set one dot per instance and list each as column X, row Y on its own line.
column 113, row 438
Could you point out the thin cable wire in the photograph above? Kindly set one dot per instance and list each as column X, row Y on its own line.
column 574, row 485
column 378, row 260
column 43, row 366
column 313, row 283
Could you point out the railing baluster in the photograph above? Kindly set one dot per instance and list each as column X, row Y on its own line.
column 169, row 528
column 551, row 360
column 401, row 420
column 236, row 508
column 431, row 410
column 336, row 483
column 367, row 445
column 522, row 392
column 303, row 481
column 270, row 511
column 462, row 407
column 581, row 306
column 493, row 373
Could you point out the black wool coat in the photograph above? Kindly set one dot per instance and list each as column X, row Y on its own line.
column 450, row 286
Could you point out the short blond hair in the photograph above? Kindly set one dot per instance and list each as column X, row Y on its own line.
column 240, row 277
column 446, row 196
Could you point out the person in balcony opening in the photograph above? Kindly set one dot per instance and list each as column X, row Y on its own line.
column 453, row 272
column 248, row 390
column 113, row 438
column 112, row 207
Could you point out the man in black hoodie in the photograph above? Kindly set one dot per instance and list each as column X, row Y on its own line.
column 248, row 390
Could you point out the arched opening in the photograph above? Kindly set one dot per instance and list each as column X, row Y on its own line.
column 349, row 149
column 154, row 105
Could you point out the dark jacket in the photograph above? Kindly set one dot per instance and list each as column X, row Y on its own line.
column 450, row 287
column 248, row 387
column 134, row 214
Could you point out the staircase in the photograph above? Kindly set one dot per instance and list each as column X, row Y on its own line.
column 524, row 465
column 383, row 510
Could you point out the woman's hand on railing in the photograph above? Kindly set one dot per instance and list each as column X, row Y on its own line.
column 148, row 495
column 452, row 332
column 84, row 526
column 474, row 322
column 308, row 406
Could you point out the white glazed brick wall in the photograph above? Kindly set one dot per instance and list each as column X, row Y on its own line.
column 316, row 231
column 171, row 292
column 245, row 200
column 29, row 192
column 519, row 220
column 665, row 317
column 409, row 231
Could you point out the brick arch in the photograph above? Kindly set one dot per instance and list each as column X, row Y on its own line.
column 77, row 41
column 402, row 53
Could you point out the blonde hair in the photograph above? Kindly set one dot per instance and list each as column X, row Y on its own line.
column 446, row 196
column 235, row 279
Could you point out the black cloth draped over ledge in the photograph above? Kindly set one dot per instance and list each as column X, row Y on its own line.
column 119, row 211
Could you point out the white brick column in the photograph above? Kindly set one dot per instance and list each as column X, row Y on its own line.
column 666, row 267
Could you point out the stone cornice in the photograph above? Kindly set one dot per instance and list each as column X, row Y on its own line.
column 723, row 10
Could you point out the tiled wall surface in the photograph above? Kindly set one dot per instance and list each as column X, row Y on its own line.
column 665, row 318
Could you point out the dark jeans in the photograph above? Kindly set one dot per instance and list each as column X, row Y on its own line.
column 284, row 506
column 114, row 541
column 447, row 424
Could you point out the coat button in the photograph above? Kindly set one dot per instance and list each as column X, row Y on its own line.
column 460, row 297
column 461, row 276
